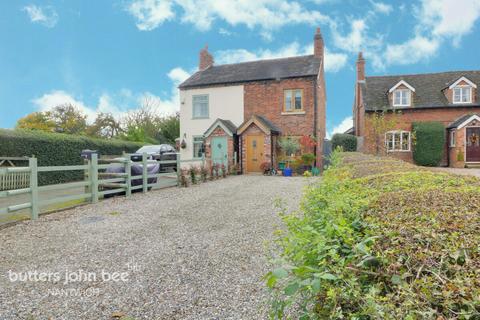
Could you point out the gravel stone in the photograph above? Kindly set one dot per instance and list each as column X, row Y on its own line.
column 186, row 253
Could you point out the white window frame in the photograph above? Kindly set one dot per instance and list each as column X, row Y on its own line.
column 202, row 148
column 194, row 105
column 461, row 88
column 453, row 138
column 402, row 92
column 401, row 133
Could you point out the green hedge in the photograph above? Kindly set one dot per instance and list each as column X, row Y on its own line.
column 429, row 143
column 347, row 141
column 55, row 149
column 380, row 239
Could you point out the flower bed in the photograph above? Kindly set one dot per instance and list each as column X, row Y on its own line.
column 381, row 239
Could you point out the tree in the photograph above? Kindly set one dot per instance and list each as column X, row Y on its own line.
column 37, row 121
column 380, row 123
column 169, row 129
column 105, row 126
column 69, row 119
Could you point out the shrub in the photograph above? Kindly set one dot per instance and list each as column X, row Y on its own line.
column 204, row 173
column 55, row 149
column 380, row 239
column 308, row 159
column 429, row 143
column 193, row 174
column 347, row 141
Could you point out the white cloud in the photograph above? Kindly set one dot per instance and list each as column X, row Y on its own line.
column 343, row 126
column 381, row 7
column 46, row 16
column 412, row 51
column 268, row 15
column 450, row 18
column 151, row 13
column 117, row 104
column 333, row 61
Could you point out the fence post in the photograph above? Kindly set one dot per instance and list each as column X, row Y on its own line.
column 128, row 179
column 94, row 177
column 32, row 163
column 178, row 169
column 144, row 172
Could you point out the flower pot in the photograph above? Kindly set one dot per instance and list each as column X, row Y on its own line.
column 287, row 172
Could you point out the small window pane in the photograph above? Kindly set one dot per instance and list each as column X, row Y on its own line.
column 288, row 100
column 397, row 97
column 389, row 141
column 405, row 141
column 200, row 106
column 465, row 94
column 298, row 100
column 198, row 147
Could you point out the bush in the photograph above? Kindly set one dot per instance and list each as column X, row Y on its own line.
column 347, row 141
column 380, row 239
column 55, row 149
column 429, row 143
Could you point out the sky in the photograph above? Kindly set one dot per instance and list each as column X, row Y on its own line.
column 108, row 56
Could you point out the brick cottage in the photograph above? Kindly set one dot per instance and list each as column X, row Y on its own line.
column 447, row 97
column 239, row 111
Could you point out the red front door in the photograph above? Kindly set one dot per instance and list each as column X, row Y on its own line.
column 473, row 145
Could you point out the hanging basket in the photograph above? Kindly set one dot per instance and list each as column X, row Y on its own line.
column 183, row 144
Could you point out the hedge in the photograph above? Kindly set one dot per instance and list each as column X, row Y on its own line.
column 55, row 149
column 379, row 238
column 429, row 143
column 347, row 141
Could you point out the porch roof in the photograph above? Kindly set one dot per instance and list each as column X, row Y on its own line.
column 226, row 125
column 262, row 122
column 463, row 121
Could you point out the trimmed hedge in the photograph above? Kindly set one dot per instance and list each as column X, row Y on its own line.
column 379, row 238
column 55, row 149
column 429, row 143
column 347, row 141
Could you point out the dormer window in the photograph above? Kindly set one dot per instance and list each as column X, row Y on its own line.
column 402, row 94
column 401, row 97
column 462, row 94
column 462, row 90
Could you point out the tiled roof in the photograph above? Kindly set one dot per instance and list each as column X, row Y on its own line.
column 428, row 89
column 255, row 71
column 227, row 123
column 460, row 120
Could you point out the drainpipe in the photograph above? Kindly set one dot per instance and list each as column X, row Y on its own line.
column 315, row 116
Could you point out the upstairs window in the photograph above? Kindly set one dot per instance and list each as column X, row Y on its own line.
column 401, row 97
column 293, row 100
column 200, row 107
column 462, row 94
column 397, row 141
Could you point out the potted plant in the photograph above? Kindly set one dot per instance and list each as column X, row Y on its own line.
column 290, row 146
column 308, row 159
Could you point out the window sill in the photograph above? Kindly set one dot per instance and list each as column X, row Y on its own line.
column 392, row 151
column 200, row 118
column 293, row 113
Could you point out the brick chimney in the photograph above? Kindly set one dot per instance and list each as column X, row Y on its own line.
column 360, row 67
column 318, row 45
column 206, row 59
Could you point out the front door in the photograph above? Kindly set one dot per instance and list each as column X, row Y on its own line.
column 254, row 146
column 473, row 144
column 220, row 151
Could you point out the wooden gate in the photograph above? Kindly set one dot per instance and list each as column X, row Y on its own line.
column 14, row 180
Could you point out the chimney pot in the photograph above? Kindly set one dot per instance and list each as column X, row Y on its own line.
column 206, row 59
column 360, row 67
column 318, row 45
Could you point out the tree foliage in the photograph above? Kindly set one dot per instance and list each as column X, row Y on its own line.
column 429, row 143
column 381, row 122
column 37, row 121
column 347, row 141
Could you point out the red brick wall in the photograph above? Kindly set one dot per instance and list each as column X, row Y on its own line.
column 266, row 98
column 405, row 121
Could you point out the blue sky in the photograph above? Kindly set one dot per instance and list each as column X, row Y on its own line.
column 109, row 56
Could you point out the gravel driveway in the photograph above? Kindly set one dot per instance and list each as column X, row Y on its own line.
column 191, row 253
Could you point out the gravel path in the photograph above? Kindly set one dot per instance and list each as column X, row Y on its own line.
column 194, row 253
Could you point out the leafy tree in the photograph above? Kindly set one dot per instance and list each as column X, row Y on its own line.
column 169, row 129
column 69, row 119
column 37, row 121
column 105, row 126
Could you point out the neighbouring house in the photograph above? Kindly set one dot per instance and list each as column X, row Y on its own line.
column 239, row 111
column 448, row 97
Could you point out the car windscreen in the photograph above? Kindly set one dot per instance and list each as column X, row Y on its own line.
column 149, row 149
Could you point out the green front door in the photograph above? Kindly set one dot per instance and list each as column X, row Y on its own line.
column 220, row 151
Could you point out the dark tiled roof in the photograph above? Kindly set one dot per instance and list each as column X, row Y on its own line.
column 460, row 120
column 428, row 89
column 273, row 128
column 227, row 123
column 254, row 71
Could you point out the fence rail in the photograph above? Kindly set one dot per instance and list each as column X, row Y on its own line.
column 97, row 182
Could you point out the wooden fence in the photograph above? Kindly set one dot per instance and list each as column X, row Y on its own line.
column 97, row 182
column 13, row 180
